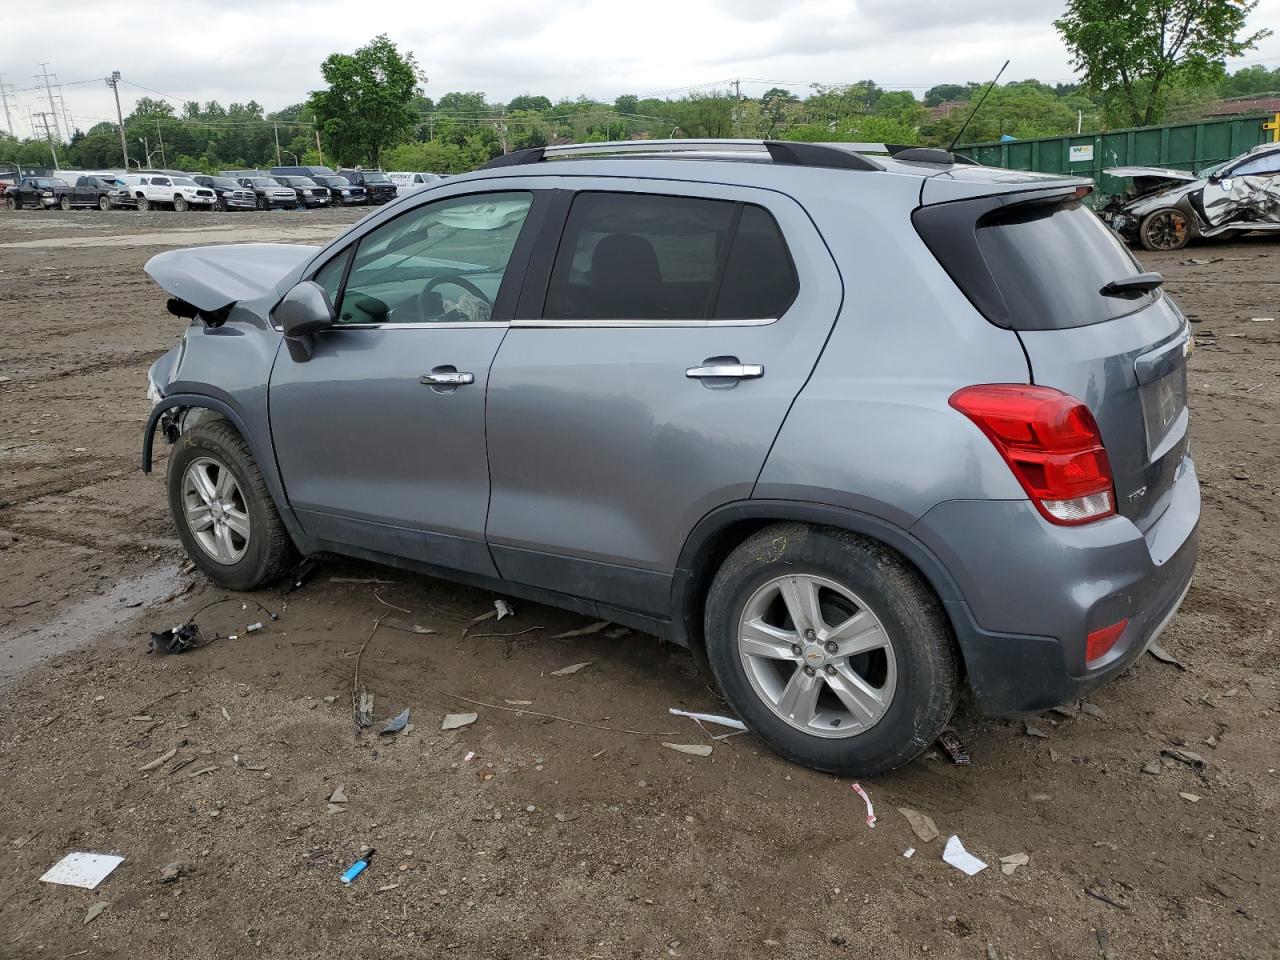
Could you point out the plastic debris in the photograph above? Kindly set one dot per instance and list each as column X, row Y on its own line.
column 571, row 668
column 339, row 794
column 909, row 852
column 179, row 639
column 922, row 824
column 253, row 628
column 1033, row 731
column 953, row 748
column 1012, row 862
column 358, row 867
column 397, row 723
column 1189, row 797
column 503, row 609
column 584, row 631
column 453, row 721
column 960, row 858
column 1193, row 760
column 85, row 870
column 94, row 911
column 1164, row 656
column 160, row 761
column 364, row 709
column 301, row 574
column 871, row 811
column 1262, row 319
column 709, row 718
column 693, row 749
column 471, row 755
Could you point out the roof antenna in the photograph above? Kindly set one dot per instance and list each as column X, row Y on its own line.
column 972, row 113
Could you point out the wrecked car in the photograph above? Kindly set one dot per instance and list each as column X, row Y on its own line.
column 1166, row 209
column 866, row 429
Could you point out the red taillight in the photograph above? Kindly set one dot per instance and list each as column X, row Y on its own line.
column 1099, row 643
column 1051, row 443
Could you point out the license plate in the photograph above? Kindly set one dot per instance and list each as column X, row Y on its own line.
column 1162, row 402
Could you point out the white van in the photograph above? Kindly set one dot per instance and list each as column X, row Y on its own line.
column 412, row 182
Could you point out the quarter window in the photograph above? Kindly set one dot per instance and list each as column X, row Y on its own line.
column 439, row 263
column 627, row 256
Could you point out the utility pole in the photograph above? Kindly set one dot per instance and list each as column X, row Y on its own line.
column 318, row 148
column 163, row 161
column 48, row 132
column 4, row 96
column 113, row 82
column 275, row 128
column 53, row 111
column 737, row 108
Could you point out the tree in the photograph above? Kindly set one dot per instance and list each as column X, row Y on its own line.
column 462, row 104
column 368, row 105
column 527, row 102
column 1132, row 51
column 950, row 91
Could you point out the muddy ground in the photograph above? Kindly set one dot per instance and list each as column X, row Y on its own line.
column 555, row 839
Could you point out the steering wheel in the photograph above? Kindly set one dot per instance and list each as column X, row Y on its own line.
column 455, row 278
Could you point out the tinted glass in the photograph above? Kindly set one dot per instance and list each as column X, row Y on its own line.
column 440, row 263
column 223, row 183
column 638, row 256
column 759, row 277
column 1050, row 263
column 373, row 176
column 1259, row 166
column 160, row 181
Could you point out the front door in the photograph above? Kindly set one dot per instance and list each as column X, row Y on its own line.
column 646, row 387
column 380, row 435
column 1232, row 197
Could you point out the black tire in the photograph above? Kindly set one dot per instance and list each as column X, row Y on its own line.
column 104, row 204
column 218, row 205
column 927, row 682
column 1166, row 229
column 180, row 204
column 143, row 204
column 261, row 203
column 15, row 202
column 64, row 202
column 268, row 551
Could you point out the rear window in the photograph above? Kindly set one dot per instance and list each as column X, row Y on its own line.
column 1032, row 266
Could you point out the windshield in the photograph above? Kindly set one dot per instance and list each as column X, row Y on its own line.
column 264, row 182
column 334, row 181
column 1215, row 167
column 376, row 177
column 223, row 183
column 301, row 182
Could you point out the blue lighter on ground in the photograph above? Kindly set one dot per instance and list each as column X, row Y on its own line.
column 357, row 868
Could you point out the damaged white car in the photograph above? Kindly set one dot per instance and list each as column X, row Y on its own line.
column 1167, row 209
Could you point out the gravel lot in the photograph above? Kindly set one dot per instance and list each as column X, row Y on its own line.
column 558, row 839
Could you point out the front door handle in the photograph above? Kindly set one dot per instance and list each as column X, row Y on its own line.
column 735, row 371
column 442, row 377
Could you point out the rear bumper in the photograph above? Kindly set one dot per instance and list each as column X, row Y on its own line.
column 1033, row 592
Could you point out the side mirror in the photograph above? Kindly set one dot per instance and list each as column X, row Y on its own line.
column 304, row 312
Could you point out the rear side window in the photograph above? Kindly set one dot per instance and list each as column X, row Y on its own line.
column 626, row 256
column 1032, row 266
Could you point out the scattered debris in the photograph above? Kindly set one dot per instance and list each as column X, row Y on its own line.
column 694, row 749
column 1262, row 319
column 358, row 867
column 953, row 748
column 1104, row 945
column 1033, row 731
column 1092, row 709
column 1012, row 862
column 471, row 755
column 1054, row 755
column 1189, row 797
column 584, row 631
column 226, row 716
column 1193, row 760
column 1153, row 767
column 179, row 639
column 94, row 912
column 960, row 858
column 1164, row 656
column 566, row 817
column 503, row 609
column 709, row 718
column 871, row 811
column 453, row 721
column 991, row 952
column 909, row 852
column 397, row 723
column 922, row 824
column 519, row 703
column 201, row 772
column 85, row 870
column 339, row 794
column 301, row 574
column 160, row 761
column 572, row 668
column 373, row 580
column 253, row 627
column 418, row 628
column 170, row 873
column 364, row 709
column 1106, row 898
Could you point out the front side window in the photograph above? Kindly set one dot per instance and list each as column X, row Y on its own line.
column 160, row 182
column 628, row 256
column 439, row 263
column 1266, row 165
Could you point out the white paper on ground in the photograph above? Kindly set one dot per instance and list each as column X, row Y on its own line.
column 82, row 869
column 709, row 718
column 960, row 858
column 909, row 852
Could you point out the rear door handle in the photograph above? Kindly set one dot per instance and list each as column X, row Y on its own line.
column 447, row 378
column 735, row 371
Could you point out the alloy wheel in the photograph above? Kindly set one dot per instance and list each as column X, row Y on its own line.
column 215, row 510
column 817, row 655
column 1166, row 230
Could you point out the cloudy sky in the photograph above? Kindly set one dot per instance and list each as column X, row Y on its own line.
column 601, row 48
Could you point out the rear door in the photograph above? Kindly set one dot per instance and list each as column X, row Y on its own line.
column 655, row 353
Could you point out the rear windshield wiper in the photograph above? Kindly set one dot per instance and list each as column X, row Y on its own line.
column 1133, row 286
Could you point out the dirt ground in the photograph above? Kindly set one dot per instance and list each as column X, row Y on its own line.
column 554, row 839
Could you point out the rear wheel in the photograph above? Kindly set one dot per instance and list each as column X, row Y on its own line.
column 223, row 511
column 1166, row 229
column 65, row 202
column 831, row 648
column 143, row 203
column 104, row 204
column 180, row 204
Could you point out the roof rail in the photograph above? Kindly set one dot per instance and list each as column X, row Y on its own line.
column 843, row 156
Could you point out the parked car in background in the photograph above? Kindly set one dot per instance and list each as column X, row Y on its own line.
column 40, row 193
column 269, row 193
column 377, row 185
column 102, row 190
column 868, row 429
column 310, row 193
column 165, row 190
column 228, row 193
column 412, row 182
column 341, row 190
column 1167, row 209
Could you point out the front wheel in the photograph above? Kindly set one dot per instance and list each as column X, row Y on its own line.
column 222, row 509
column 262, row 204
column 180, row 204
column 143, row 204
column 104, row 204
column 15, row 202
column 831, row 648
column 1166, row 229
column 65, row 203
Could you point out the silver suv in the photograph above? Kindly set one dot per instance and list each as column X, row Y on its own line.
column 862, row 426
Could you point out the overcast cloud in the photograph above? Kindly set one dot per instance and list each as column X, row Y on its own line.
column 558, row 48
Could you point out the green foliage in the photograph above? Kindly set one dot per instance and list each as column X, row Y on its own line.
column 1133, row 51
column 526, row 102
column 950, row 91
column 368, row 104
